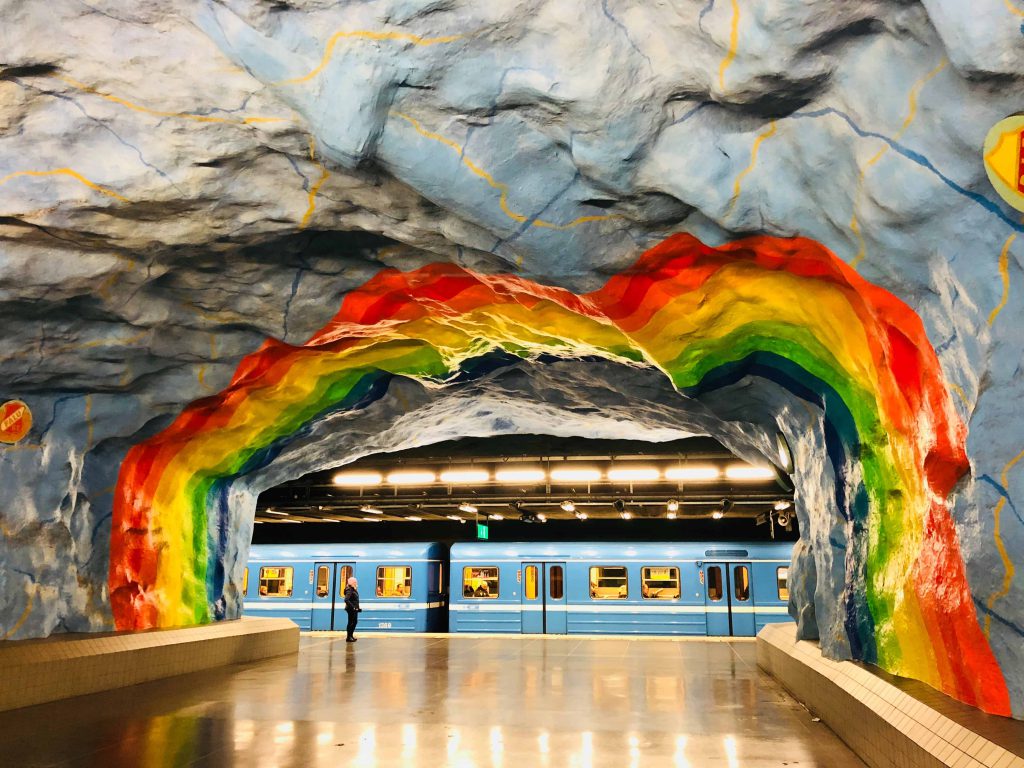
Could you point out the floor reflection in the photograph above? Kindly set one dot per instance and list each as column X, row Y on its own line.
column 502, row 702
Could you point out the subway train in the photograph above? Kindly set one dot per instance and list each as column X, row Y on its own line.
column 589, row 588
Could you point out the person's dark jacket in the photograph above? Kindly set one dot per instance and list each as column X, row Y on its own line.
column 351, row 598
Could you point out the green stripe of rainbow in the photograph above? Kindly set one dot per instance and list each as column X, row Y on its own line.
column 783, row 309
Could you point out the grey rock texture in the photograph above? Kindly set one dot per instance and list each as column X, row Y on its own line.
column 181, row 180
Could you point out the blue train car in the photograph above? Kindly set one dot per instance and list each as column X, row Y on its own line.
column 619, row 588
column 401, row 586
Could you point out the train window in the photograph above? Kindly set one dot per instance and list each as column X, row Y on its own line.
column 556, row 584
column 608, row 582
column 659, row 583
column 323, row 581
column 276, row 582
column 343, row 576
column 394, row 581
column 782, row 578
column 715, row 591
column 531, row 582
column 245, row 583
column 479, row 581
column 741, row 582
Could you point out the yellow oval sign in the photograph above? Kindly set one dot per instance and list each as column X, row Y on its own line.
column 1004, row 159
column 15, row 421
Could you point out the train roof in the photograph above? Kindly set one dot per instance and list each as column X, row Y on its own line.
column 622, row 550
column 341, row 550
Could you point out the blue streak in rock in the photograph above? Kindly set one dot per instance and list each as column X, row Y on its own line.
column 919, row 159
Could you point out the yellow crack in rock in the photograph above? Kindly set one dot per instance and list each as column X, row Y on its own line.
column 21, row 620
column 161, row 113
column 315, row 187
column 365, row 34
column 912, row 97
column 959, row 392
column 734, row 41
column 1004, row 273
column 497, row 185
column 66, row 172
column 1008, row 567
column 1012, row 8
column 737, row 186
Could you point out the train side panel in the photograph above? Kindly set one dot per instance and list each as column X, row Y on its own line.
column 492, row 615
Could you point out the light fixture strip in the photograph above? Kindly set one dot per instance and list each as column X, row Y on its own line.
column 411, row 477
column 748, row 472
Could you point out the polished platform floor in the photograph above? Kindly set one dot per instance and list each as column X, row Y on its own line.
column 424, row 702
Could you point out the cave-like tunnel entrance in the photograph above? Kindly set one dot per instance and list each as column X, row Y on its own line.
column 743, row 343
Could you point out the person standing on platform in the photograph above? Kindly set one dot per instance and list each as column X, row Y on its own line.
column 352, row 607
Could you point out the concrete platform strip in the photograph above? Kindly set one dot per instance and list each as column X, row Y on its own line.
column 62, row 666
column 879, row 719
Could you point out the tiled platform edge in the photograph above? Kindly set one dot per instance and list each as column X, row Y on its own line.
column 36, row 671
column 885, row 726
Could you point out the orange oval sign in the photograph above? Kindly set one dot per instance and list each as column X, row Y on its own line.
column 1004, row 159
column 15, row 421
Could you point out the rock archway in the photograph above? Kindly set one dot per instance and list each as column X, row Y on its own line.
column 785, row 311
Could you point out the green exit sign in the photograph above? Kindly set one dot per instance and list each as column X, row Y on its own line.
column 482, row 531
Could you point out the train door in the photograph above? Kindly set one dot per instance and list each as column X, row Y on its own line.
column 741, row 608
column 544, row 601
column 329, row 595
column 727, row 599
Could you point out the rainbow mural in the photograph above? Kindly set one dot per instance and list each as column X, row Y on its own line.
column 786, row 310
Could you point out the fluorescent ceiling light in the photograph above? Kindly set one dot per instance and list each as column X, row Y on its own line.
column 634, row 474
column 414, row 518
column 576, row 475
column 371, row 520
column 672, row 505
column 370, row 510
column 627, row 515
column 520, row 475
column 274, row 512
column 290, row 521
column 748, row 472
column 718, row 514
column 357, row 479
column 329, row 520
column 496, row 517
column 568, row 506
column 782, row 504
column 695, row 473
column 469, row 509
column 411, row 477
column 581, row 515
column 460, row 476
column 671, row 515
column 542, row 517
